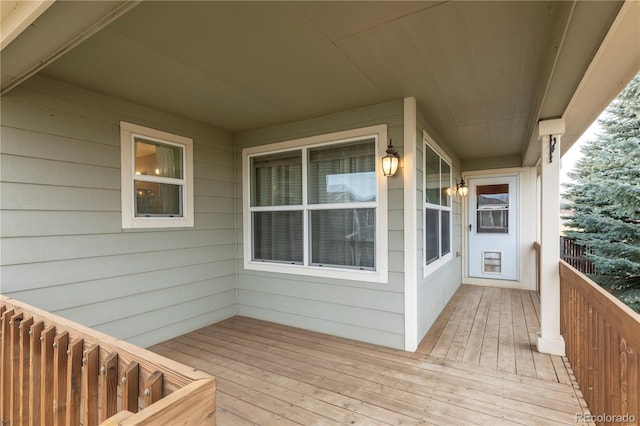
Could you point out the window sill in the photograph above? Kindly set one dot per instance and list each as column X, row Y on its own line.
column 433, row 267
column 320, row 271
column 168, row 222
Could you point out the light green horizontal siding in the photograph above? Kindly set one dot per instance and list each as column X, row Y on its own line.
column 435, row 290
column 62, row 245
column 366, row 311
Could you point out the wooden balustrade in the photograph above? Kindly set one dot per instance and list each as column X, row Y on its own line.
column 602, row 337
column 575, row 255
column 57, row 372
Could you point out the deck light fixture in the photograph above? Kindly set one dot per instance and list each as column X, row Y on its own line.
column 390, row 161
column 462, row 189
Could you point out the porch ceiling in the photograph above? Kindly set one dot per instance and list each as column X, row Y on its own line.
column 483, row 73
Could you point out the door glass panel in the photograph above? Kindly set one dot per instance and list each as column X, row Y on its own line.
column 492, row 209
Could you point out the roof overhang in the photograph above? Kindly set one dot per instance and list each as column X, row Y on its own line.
column 483, row 73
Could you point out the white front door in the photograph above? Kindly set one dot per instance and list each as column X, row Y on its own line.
column 493, row 228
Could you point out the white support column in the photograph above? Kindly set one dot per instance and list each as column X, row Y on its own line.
column 410, row 226
column 549, row 339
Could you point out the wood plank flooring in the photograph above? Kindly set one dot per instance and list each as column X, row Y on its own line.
column 494, row 328
column 271, row 374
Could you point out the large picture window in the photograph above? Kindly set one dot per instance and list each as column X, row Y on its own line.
column 437, row 206
column 314, row 206
column 157, row 178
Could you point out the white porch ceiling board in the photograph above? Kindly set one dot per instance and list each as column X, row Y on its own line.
column 247, row 64
column 483, row 73
column 148, row 77
column 339, row 19
column 476, row 73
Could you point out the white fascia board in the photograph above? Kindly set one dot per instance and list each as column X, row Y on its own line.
column 47, row 40
column 18, row 17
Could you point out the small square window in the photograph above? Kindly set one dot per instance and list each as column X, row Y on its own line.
column 157, row 178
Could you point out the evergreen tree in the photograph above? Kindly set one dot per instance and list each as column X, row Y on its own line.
column 605, row 197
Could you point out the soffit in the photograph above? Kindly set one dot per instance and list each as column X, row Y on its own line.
column 474, row 67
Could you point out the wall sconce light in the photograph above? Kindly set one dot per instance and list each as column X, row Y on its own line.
column 462, row 189
column 390, row 161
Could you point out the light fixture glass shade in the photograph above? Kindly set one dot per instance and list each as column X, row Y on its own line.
column 389, row 165
column 462, row 188
column 390, row 161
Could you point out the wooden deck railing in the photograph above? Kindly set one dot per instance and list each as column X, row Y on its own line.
column 575, row 255
column 602, row 337
column 56, row 372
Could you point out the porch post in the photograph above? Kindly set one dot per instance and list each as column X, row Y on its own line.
column 549, row 339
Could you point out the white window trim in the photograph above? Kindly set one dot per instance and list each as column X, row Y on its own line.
column 433, row 266
column 380, row 274
column 128, row 132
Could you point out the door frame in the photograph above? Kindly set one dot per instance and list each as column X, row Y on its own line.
column 526, row 204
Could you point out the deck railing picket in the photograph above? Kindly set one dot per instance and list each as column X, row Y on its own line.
column 46, row 380
column 130, row 385
column 109, row 373
column 60, row 347
column 74, row 380
column 14, row 324
column 153, row 388
column 603, row 340
column 35, row 369
column 56, row 372
column 24, row 380
column 4, row 367
column 90, row 371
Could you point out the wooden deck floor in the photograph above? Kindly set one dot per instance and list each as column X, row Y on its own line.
column 273, row 374
column 494, row 328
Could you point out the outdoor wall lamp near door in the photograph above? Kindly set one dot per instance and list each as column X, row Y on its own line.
column 390, row 161
column 462, row 189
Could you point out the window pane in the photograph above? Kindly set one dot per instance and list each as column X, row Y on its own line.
column 432, row 176
column 445, row 234
column 343, row 238
column 277, row 236
column 493, row 221
column 343, row 173
column 432, row 231
column 157, row 159
column 445, row 184
column 276, row 179
column 493, row 208
column 158, row 199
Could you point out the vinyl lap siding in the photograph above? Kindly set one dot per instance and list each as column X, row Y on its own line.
column 435, row 290
column 63, row 248
column 364, row 311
